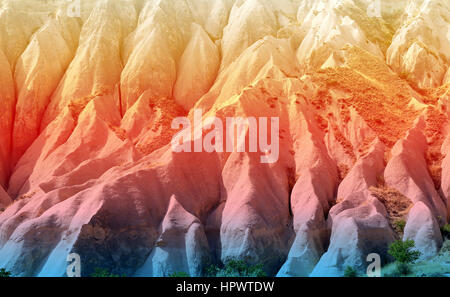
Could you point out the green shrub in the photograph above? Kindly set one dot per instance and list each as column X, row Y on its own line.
column 236, row 268
column 402, row 268
column 100, row 272
column 400, row 224
column 179, row 274
column 403, row 251
column 4, row 273
column 445, row 248
column 350, row 272
column 445, row 230
column 404, row 255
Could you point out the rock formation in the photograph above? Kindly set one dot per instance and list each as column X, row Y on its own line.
column 87, row 105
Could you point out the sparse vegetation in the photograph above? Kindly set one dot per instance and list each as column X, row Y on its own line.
column 400, row 224
column 397, row 206
column 377, row 95
column 169, row 110
column 434, row 267
column 236, row 268
column 403, row 251
column 445, row 230
column 404, row 254
column 4, row 273
column 179, row 274
column 436, row 122
column 100, row 272
column 445, row 247
column 402, row 269
column 350, row 272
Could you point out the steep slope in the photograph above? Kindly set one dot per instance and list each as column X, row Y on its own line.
column 38, row 72
column 419, row 49
column 8, row 101
column 356, row 96
column 359, row 221
column 110, row 20
column 198, row 68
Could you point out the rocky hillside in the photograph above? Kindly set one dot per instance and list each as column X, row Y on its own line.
column 361, row 88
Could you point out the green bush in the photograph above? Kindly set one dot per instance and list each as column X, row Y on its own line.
column 404, row 255
column 445, row 248
column 236, row 268
column 4, row 273
column 402, row 268
column 350, row 272
column 445, row 230
column 400, row 224
column 100, row 272
column 179, row 274
column 403, row 251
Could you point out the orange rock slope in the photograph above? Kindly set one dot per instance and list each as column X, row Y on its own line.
column 89, row 90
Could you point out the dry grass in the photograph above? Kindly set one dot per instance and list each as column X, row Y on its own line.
column 343, row 170
column 168, row 110
column 76, row 106
column 397, row 205
column 436, row 122
column 379, row 96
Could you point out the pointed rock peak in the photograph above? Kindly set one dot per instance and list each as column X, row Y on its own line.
column 423, row 228
column 334, row 61
column 415, row 137
column 198, row 68
column 199, row 35
column 103, row 107
column 177, row 217
column 418, row 127
column 248, row 22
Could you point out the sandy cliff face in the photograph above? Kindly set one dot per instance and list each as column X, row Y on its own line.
column 361, row 92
